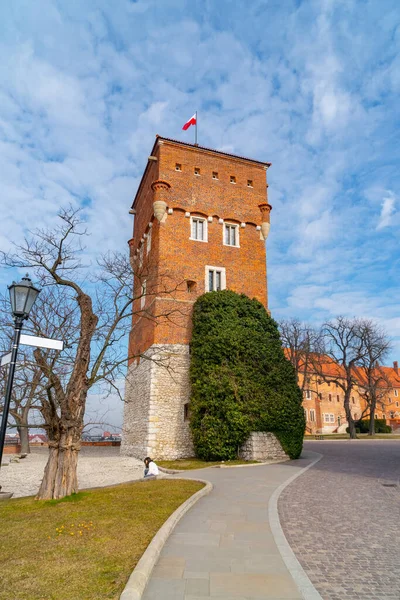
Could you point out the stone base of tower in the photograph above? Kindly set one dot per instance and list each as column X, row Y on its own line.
column 156, row 420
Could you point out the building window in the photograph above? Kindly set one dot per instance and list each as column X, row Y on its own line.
column 215, row 279
column 233, row 179
column 141, row 251
column 186, row 412
column 312, row 415
column 337, row 398
column 308, row 394
column 143, row 293
column 148, row 247
column 215, row 175
column 190, row 286
column 198, row 229
column 383, row 416
column 231, row 235
column 397, row 404
column 197, row 171
column 330, row 397
column 305, row 414
column 329, row 418
column 391, row 414
column 178, row 167
column 396, row 393
column 249, row 183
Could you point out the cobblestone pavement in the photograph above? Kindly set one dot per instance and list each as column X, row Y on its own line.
column 342, row 519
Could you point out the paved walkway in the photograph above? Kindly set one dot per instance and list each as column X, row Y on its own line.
column 223, row 547
column 342, row 519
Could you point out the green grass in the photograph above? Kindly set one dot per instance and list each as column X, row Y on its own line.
column 83, row 547
column 186, row 464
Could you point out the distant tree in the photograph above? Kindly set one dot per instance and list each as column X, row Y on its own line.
column 373, row 380
column 240, row 378
column 98, row 305
column 299, row 341
column 344, row 348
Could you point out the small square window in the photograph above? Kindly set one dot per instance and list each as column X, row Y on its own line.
column 215, row 175
column 231, row 234
column 233, row 179
column 197, row 171
column 249, row 183
column 190, row 286
column 178, row 167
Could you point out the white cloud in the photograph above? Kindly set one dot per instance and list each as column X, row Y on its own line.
column 387, row 211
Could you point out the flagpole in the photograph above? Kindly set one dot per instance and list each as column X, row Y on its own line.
column 195, row 133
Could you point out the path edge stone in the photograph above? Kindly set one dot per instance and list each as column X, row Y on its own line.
column 141, row 574
column 300, row 577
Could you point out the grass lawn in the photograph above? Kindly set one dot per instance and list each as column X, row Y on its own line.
column 185, row 464
column 83, row 547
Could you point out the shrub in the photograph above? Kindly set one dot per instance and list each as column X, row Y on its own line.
column 241, row 380
column 363, row 426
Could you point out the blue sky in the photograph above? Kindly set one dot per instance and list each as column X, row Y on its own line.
column 312, row 86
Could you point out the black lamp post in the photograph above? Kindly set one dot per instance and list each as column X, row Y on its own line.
column 22, row 298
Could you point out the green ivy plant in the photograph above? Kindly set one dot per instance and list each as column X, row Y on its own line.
column 241, row 381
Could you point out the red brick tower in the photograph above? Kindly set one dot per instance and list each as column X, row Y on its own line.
column 201, row 220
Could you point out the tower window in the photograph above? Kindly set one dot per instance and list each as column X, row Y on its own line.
column 190, row 286
column 215, row 279
column 178, row 167
column 197, row 171
column 148, row 241
column 215, row 175
column 233, row 179
column 231, row 234
column 143, row 293
column 198, row 229
column 186, row 412
column 249, row 183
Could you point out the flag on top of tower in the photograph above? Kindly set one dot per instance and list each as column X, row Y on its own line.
column 192, row 121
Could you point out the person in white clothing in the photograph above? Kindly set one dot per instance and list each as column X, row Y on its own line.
column 151, row 469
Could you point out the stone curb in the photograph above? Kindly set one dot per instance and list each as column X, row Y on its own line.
column 141, row 574
column 300, row 577
column 258, row 464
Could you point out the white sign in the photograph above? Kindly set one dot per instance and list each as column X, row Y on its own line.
column 32, row 340
column 5, row 359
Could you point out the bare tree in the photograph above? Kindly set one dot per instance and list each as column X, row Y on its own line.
column 300, row 341
column 343, row 349
column 95, row 314
column 373, row 382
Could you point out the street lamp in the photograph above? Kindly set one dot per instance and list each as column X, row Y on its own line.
column 22, row 298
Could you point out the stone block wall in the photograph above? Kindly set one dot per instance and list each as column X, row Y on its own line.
column 156, row 422
column 262, row 446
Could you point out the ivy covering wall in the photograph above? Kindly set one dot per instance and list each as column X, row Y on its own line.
column 241, row 380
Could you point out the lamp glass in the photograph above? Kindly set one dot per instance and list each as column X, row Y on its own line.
column 22, row 297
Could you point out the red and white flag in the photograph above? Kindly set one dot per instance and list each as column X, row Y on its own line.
column 192, row 121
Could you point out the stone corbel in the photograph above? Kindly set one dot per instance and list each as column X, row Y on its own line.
column 265, row 210
column 160, row 190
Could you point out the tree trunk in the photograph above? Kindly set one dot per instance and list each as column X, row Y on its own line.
column 371, row 430
column 349, row 417
column 23, row 433
column 60, row 475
